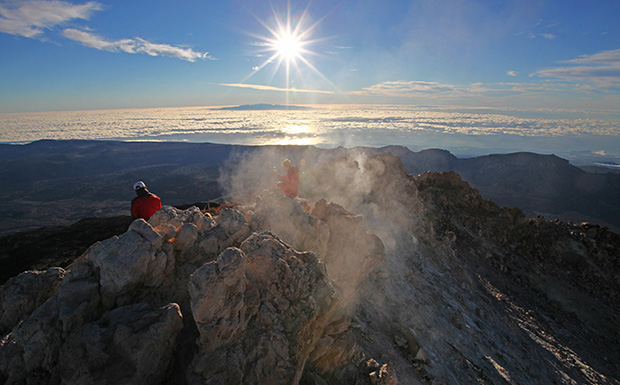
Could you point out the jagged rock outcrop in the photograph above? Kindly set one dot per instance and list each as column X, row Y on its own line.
column 402, row 279
column 260, row 310
column 26, row 292
column 96, row 314
column 131, row 344
column 293, row 224
column 352, row 251
column 475, row 293
column 338, row 237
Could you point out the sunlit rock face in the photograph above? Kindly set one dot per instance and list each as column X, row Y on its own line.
column 259, row 310
column 372, row 277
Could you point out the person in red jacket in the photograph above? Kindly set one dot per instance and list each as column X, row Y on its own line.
column 145, row 204
column 289, row 183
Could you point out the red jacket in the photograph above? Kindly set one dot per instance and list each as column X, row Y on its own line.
column 145, row 206
column 289, row 183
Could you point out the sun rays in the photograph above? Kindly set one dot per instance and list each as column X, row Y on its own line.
column 287, row 46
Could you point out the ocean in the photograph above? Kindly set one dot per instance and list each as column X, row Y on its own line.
column 465, row 131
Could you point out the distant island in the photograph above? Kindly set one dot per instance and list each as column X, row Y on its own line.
column 263, row 106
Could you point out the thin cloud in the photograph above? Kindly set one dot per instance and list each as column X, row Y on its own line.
column 590, row 72
column 31, row 18
column 403, row 88
column 512, row 73
column 271, row 88
column 605, row 57
column 447, row 92
column 133, row 46
column 532, row 88
column 549, row 36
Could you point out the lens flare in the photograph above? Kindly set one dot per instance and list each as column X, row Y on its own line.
column 287, row 44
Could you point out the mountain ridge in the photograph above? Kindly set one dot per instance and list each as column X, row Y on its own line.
column 428, row 283
column 85, row 178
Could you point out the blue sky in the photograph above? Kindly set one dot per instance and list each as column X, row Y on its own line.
column 72, row 55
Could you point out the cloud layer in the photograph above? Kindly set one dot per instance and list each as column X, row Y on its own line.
column 367, row 123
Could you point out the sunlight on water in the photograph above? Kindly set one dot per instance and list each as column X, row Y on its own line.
column 297, row 135
column 296, row 129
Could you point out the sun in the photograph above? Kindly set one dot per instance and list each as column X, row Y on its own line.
column 287, row 44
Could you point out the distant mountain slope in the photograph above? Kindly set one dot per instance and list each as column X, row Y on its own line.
column 55, row 183
column 538, row 184
column 50, row 183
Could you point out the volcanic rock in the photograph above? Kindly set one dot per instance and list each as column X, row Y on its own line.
column 387, row 278
column 261, row 310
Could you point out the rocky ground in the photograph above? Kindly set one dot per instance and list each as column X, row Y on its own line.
column 376, row 277
column 480, row 293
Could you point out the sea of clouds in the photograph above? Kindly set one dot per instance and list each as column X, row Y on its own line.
column 575, row 135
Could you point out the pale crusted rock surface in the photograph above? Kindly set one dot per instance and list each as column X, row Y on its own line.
column 232, row 229
column 128, row 345
column 252, row 308
column 24, row 293
column 128, row 262
column 176, row 217
column 79, row 298
column 262, row 307
column 389, row 279
column 217, row 291
column 30, row 352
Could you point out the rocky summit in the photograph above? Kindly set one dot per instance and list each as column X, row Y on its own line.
column 374, row 277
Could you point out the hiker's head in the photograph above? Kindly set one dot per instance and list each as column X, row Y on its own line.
column 139, row 185
column 286, row 164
